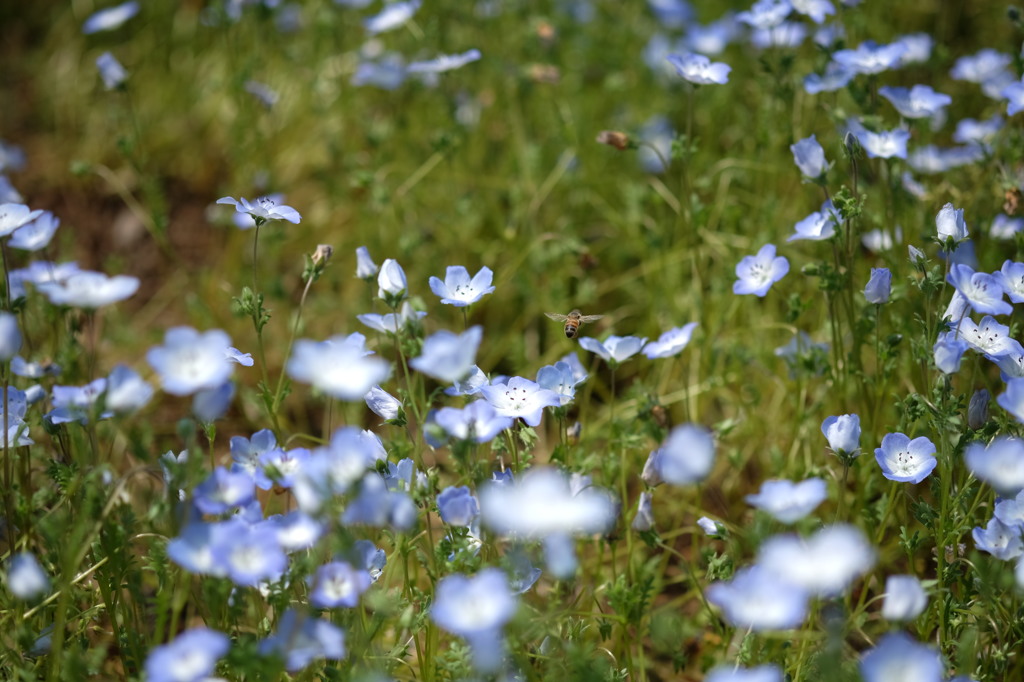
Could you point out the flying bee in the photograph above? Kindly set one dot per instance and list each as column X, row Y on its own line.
column 573, row 321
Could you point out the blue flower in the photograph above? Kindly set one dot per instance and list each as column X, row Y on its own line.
column 810, row 157
column 981, row 67
column 392, row 16
column 1013, row 399
column 836, row 77
column 920, row 101
column 787, row 501
column 36, row 234
column 758, row 600
column 382, row 403
column 78, row 403
column 458, row 289
column 191, row 657
column 614, row 349
column 733, row 673
column 111, row 71
column 447, row 356
column 1011, row 278
column 983, row 292
column 10, row 336
column 246, row 454
column 870, row 58
column 263, row 209
column 685, row 457
column 559, row 378
column 817, row 10
column 252, row 555
column 210, row 404
column 1000, row 463
column 391, row 323
column 365, row 267
column 457, row 506
column 824, row 564
column 766, row 13
column 375, row 505
column 340, row 367
column 86, row 289
column 391, row 282
column 476, row 609
column 191, row 361
column 698, row 69
column 671, row 342
column 387, row 72
column 644, row 518
column 478, row 421
column 444, row 62
column 818, row 226
column 899, row 657
column 950, row 225
column 302, row 639
column 336, row 584
column 905, row 599
column 885, row 144
column 26, row 579
column 110, row 18
column 843, row 434
column 223, row 491
column 905, row 460
column 879, row 286
column 520, row 397
column 758, row 273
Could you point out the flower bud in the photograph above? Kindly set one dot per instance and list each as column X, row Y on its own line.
column 977, row 410
column 382, row 403
column 614, row 138
column 879, row 286
column 322, row 254
column 10, row 336
column 365, row 267
column 651, row 474
column 391, row 280
column 950, row 225
column 843, row 434
column 644, row 519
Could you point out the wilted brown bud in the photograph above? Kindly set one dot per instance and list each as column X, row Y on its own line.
column 588, row 261
column 322, row 254
column 544, row 73
column 977, row 410
column 614, row 138
column 1011, row 201
column 546, row 32
column 660, row 416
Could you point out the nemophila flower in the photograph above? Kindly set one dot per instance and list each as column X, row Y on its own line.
column 758, row 600
column 476, row 608
column 559, row 378
column 824, row 564
column 900, row 658
column 1013, row 93
column 787, row 34
column 444, row 62
column 871, row 58
column 1012, row 400
column 110, row 18
column 447, row 356
column 905, row 598
column 818, row 226
column 758, row 273
column 89, row 289
column 404, row 476
column 643, row 520
column 816, row 10
column 698, row 69
column 8, row 193
column 377, row 506
column 365, row 267
column 983, row 292
column 211, row 404
column 671, row 13
column 879, row 286
column 382, row 403
column 10, row 336
column 191, row 657
column 709, row 526
column 301, row 639
column 126, row 391
column 787, row 501
column 232, row 354
column 340, row 367
column 950, row 226
column 988, row 336
column 836, row 77
column 457, row 506
column 999, row 539
column 111, row 71
column 265, row 94
column 191, row 361
column 338, row 584
column 392, row 323
column 1011, row 511
column 364, row 554
column 884, row 144
column 671, row 342
column 932, row 160
column 458, row 289
column 920, row 101
column 263, row 209
column 918, row 48
column 973, row 131
column 391, row 281
column 223, row 491
column 905, row 460
column 614, row 349
column 520, row 398
column 36, row 234
column 977, row 409
column 912, row 186
column 40, row 272
column 710, row 39
column 733, row 673
column 1000, row 464
column 332, row 470
column 810, row 157
column 391, row 17
column 246, row 453
column 1011, row 279
column 980, row 67
column 386, row 72
column 252, row 554
column 296, row 530
column 12, row 157
column 78, row 403
column 829, row 36
column 478, row 421
column 765, row 13
column 25, row 577
column 281, row 466
column 686, row 456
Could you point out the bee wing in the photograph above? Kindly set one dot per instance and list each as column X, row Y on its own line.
column 590, row 318
column 556, row 316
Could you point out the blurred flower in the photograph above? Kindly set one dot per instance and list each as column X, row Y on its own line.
column 37, row 234
column 391, row 323
column 817, row 10
column 1013, row 93
column 1005, row 227
column 905, row 460
column 223, row 491
column 519, row 397
column 110, row 18
column 885, row 144
column 263, row 209
column 391, row 17
column 905, row 599
column 365, row 267
column 338, row 584
column 232, row 354
column 478, row 421
column 340, row 367
column 1000, row 463
column 404, row 476
column 758, row 600
column 246, row 454
column 387, row 72
column 671, row 342
column 377, row 506
column 671, row 13
column 686, row 456
column 26, row 579
column 447, row 356
column 644, row 518
column 190, row 657
column 209, row 405
column 193, row 549
column 787, row 501
column 444, row 62
column 698, row 69
column 810, row 157
column 111, row 71
column 266, row 95
column 614, row 349
column 787, row 34
column 333, row 470
column 78, row 403
column 765, row 13
column 8, row 194
column 458, row 289
column 836, row 77
column 983, row 292
column 972, row 131
column 10, row 336
column 870, row 58
column 86, row 289
column 296, row 530
column 824, row 564
column 252, row 554
column 899, row 658
column 1013, row 399
column 879, row 286
column 476, row 608
column 757, row 274
column 733, row 673
column 191, row 361
column 559, row 378
column 457, row 506
column 709, row 526
column 920, row 101
column 301, row 639
column 382, row 403
column 12, row 157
